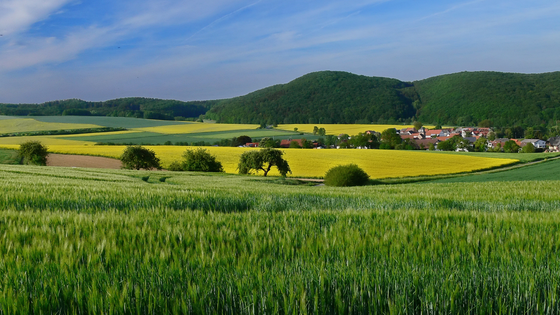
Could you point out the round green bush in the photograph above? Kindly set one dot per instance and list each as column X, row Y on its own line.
column 346, row 175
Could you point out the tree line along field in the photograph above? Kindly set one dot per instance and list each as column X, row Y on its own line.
column 101, row 241
column 315, row 163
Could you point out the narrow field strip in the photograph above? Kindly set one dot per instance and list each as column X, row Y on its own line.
column 28, row 124
column 197, row 128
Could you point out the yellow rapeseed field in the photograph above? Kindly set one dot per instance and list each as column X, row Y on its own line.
column 315, row 163
column 197, row 128
column 29, row 124
column 336, row 129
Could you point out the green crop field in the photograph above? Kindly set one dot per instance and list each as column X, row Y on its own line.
column 144, row 137
column 549, row 170
column 115, row 241
column 122, row 122
column 522, row 157
column 8, row 156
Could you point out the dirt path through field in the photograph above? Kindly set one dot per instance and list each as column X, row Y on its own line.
column 82, row 161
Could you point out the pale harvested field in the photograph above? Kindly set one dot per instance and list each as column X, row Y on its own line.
column 82, row 161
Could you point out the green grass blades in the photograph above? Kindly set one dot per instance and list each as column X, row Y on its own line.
column 105, row 241
column 9, row 156
column 161, row 261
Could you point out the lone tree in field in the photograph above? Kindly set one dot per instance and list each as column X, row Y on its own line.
column 33, row 153
column 263, row 160
column 137, row 157
column 200, row 160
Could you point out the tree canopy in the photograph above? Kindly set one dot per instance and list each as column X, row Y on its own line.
column 263, row 160
column 33, row 152
column 320, row 97
column 137, row 157
column 201, row 160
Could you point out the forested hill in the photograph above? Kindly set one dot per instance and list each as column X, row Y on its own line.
column 507, row 99
column 321, row 97
column 466, row 98
column 124, row 107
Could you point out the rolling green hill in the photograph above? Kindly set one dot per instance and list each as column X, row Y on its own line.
column 138, row 107
column 466, row 98
column 321, row 97
column 506, row 99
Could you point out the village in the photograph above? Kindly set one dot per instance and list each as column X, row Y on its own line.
column 460, row 139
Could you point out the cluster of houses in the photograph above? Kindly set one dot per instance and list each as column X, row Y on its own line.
column 424, row 137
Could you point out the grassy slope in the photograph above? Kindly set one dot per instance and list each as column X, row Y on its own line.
column 522, row 157
column 8, row 156
column 549, row 170
column 504, row 98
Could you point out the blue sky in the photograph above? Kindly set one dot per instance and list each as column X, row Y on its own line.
column 196, row 50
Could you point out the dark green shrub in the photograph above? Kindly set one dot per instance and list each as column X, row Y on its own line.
column 346, row 175
column 200, row 160
column 137, row 157
column 176, row 166
column 33, row 152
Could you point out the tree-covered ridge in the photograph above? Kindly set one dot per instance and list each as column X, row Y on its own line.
column 321, row 97
column 507, row 99
column 466, row 98
column 124, row 107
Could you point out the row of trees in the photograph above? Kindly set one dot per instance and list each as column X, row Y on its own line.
column 249, row 162
column 200, row 160
column 138, row 157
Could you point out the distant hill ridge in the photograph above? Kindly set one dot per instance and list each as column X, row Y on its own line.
column 139, row 107
column 464, row 98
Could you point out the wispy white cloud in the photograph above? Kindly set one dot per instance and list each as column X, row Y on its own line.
column 223, row 18
column 18, row 15
column 54, row 50
column 451, row 9
column 194, row 49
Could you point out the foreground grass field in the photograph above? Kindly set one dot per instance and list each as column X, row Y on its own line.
column 99, row 241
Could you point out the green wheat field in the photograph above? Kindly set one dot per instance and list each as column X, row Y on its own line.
column 84, row 241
